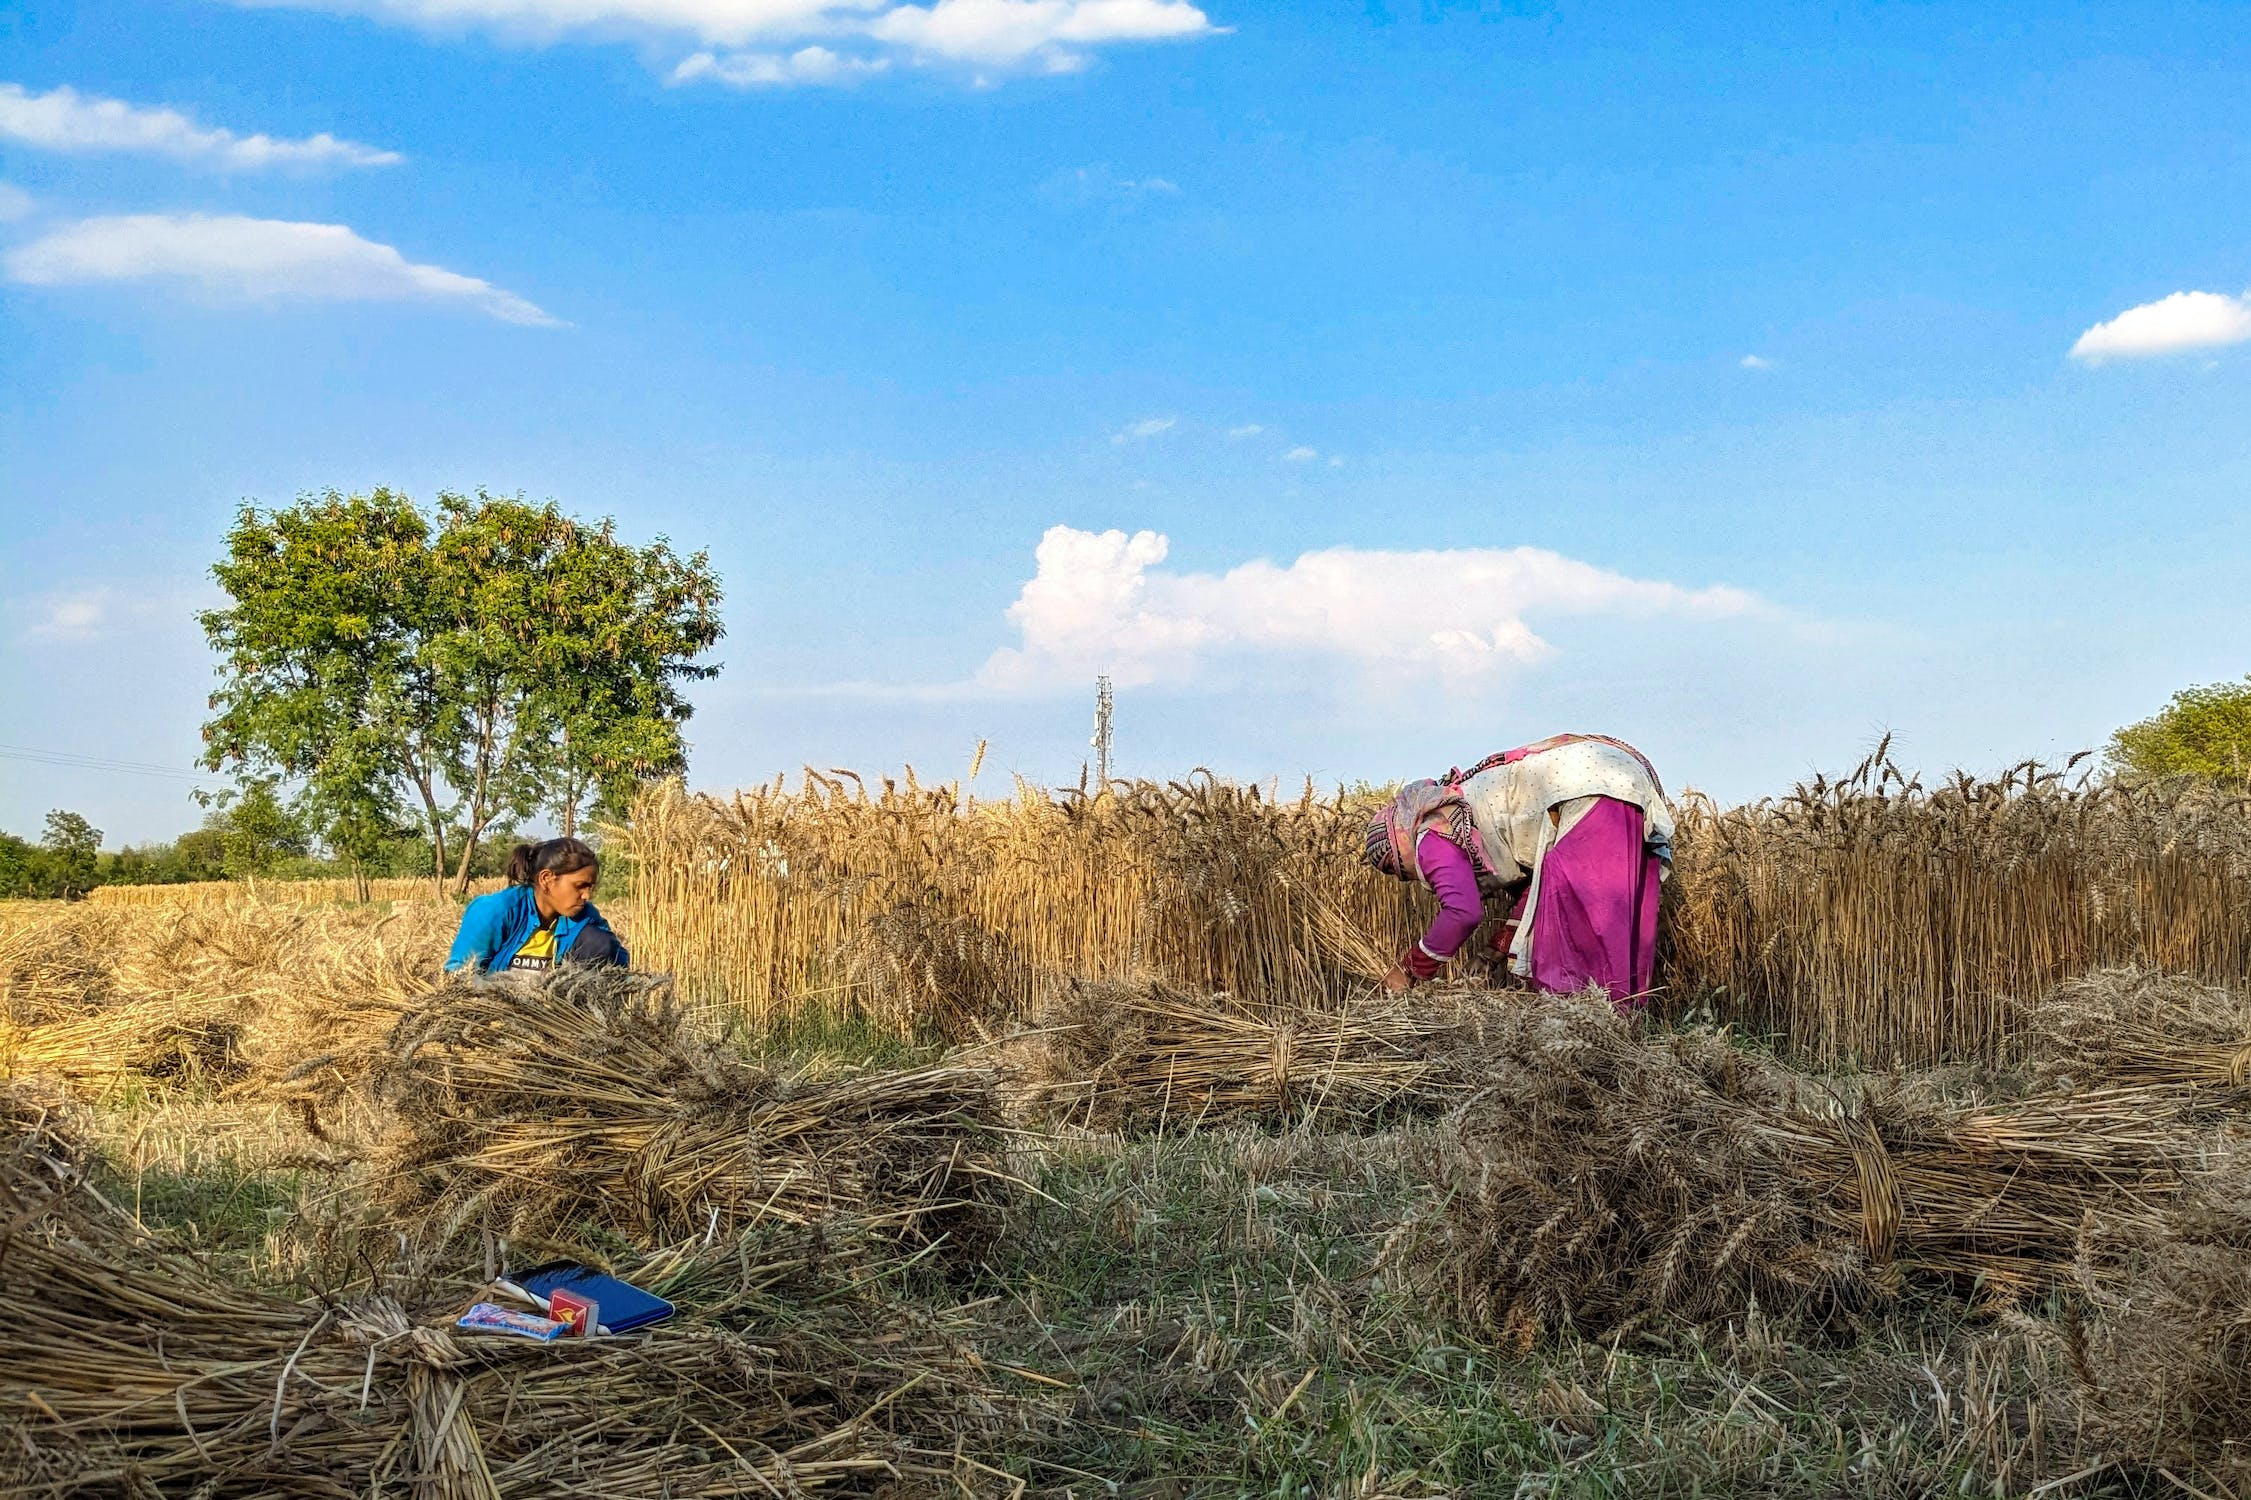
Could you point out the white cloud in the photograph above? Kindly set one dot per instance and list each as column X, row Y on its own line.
column 1754, row 362
column 1056, row 36
column 1102, row 603
column 817, row 66
column 1301, row 455
column 2170, row 325
column 1247, row 430
column 1049, row 33
column 69, row 617
column 15, row 203
column 1147, row 427
column 1099, row 184
column 62, row 119
column 252, row 260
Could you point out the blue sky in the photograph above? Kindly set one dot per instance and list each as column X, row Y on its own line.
column 1746, row 382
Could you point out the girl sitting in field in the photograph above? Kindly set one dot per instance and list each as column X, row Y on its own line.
column 545, row 917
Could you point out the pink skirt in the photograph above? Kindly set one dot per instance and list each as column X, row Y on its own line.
column 1597, row 920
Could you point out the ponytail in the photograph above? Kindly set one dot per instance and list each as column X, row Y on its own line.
column 527, row 862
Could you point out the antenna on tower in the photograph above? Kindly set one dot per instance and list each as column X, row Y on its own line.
column 1103, row 706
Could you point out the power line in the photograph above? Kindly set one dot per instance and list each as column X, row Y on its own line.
column 99, row 763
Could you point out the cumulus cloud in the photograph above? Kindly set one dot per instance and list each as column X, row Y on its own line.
column 816, row 66
column 1101, row 602
column 1055, row 36
column 2170, row 325
column 1301, row 455
column 62, row 119
column 252, row 260
column 15, row 203
column 1247, row 430
column 1754, row 362
column 1147, row 427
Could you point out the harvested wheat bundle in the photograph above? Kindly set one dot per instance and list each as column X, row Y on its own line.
column 321, row 1020
column 2162, row 1351
column 1120, row 1053
column 1605, row 1180
column 589, row 1098
column 206, row 991
column 41, row 1125
column 59, row 965
column 2141, row 1026
column 924, row 965
column 129, row 1369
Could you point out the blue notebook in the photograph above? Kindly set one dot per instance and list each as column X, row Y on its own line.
column 620, row 1306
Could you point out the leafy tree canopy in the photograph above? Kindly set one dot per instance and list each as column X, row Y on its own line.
column 2203, row 731
column 457, row 672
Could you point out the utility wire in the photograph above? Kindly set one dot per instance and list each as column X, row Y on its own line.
column 99, row 763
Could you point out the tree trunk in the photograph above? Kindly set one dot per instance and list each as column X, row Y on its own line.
column 437, row 822
column 479, row 816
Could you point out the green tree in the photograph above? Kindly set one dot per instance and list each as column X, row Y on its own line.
column 73, row 846
column 257, row 833
column 323, row 677
column 2203, row 731
column 505, row 660
column 611, row 706
column 19, row 867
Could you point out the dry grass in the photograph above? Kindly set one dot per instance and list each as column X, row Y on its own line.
column 590, row 1100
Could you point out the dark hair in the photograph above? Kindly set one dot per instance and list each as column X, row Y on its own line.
column 527, row 862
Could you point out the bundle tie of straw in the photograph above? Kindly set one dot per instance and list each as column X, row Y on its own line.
column 1278, row 1064
column 2239, row 1067
column 1882, row 1206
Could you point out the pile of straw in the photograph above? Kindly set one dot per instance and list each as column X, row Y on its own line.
column 1606, row 1181
column 1121, row 1054
column 2138, row 1026
column 130, row 1369
column 589, row 1099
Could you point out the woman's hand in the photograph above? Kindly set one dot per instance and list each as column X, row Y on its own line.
column 1397, row 981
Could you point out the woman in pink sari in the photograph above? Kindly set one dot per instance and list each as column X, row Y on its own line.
column 1571, row 836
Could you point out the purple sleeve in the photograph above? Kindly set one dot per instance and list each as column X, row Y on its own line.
column 1460, row 908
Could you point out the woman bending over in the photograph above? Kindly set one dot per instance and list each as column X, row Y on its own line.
column 1570, row 837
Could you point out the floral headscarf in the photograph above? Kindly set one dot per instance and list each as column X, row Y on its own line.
column 1422, row 807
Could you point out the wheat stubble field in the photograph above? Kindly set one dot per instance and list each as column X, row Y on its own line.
column 1061, row 1145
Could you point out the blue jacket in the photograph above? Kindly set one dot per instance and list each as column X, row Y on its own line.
column 493, row 927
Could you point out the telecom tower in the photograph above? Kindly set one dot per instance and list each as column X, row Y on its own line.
column 1102, row 725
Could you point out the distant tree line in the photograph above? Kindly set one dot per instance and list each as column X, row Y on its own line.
column 253, row 838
